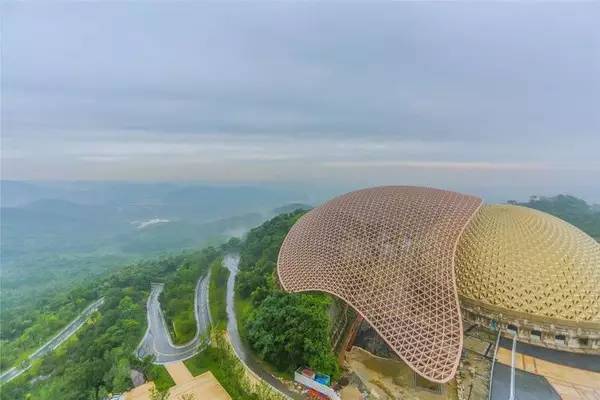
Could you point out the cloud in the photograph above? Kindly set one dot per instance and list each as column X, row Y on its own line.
column 301, row 91
column 447, row 165
column 102, row 159
column 180, row 150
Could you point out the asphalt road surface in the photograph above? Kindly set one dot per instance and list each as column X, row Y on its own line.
column 56, row 341
column 231, row 263
column 528, row 386
column 157, row 340
column 589, row 362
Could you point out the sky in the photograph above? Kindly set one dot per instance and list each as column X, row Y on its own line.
column 498, row 99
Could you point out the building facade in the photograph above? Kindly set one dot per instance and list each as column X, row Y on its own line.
column 413, row 262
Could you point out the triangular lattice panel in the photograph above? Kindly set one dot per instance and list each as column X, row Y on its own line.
column 389, row 253
column 524, row 260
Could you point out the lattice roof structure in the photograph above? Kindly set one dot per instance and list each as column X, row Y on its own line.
column 524, row 260
column 389, row 253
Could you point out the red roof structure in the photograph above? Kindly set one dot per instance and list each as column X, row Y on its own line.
column 389, row 253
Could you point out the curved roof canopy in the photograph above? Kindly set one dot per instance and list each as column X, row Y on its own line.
column 389, row 253
column 524, row 260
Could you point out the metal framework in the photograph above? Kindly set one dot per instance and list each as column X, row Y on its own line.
column 526, row 261
column 389, row 253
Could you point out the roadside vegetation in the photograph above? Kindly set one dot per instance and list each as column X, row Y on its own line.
column 177, row 298
column 217, row 293
column 24, row 332
column 38, row 284
column 220, row 359
column 285, row 330
column 96, row 361
column 56, row 236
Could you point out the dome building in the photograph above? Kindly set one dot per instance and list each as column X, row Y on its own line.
column 415, row 262
column 524, row 270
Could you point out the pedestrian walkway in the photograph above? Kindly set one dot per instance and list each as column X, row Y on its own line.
column 571, row 383
column 203, row 386
column 179, row 372
column 141, row 392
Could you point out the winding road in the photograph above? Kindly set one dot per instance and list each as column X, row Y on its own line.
column 157, row 341
column 55, row 341
column 231, row 262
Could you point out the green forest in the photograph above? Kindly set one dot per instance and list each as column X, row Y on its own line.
column 20, row 336
column 53, row 241
column 226, row 367
column 217, row 292
column 96, row 361
column 219, row 357
column 177, row 298
column 286, row 330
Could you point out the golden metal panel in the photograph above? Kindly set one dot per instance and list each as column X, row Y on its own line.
column 389, row 253
column 528, row 261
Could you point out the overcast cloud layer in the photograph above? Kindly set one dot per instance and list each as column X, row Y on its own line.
column 463, row 96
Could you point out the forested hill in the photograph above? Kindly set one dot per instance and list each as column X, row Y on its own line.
column 569, row 208
column 284, row 329
column 56, row 235
column 97, row 360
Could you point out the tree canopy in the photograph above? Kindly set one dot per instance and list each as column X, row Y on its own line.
column 286, row 330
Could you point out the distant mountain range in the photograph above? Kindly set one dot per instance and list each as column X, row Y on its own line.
column 56, row 234
column 196, row 200
column 88, row 216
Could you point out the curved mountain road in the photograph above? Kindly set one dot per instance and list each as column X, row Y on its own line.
column 157, row 341
column 231, row 262
column 55, row 341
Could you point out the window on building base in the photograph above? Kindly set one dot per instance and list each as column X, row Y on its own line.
column 512, row 328
column 536, row 335
column 560, row 339
column 583, row 341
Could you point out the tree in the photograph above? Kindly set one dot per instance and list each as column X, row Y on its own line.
column 290, row 330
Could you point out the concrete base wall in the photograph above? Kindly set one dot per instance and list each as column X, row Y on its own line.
column 553, row 335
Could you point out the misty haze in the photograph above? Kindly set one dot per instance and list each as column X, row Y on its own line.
column 293, row 200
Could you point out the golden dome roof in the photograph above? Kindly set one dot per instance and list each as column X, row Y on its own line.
column 524, row 260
